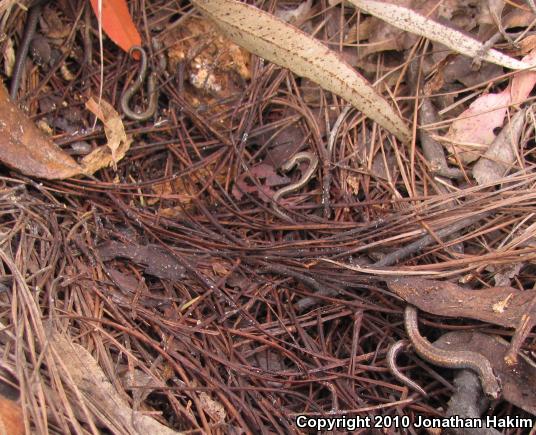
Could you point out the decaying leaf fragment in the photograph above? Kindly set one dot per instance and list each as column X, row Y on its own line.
column 284, row 45
column 156, row 261
column 217, row 70
column 11, row 418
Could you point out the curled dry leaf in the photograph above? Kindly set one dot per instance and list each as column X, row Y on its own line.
column 118, row 141
column 25, row 148
column 283, row 44
column 413, row 22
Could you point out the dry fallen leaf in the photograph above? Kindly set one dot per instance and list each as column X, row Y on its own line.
column 384, row 37
column 117, row 22
column 295, row 14
column 267, row 178
column 472, row 132
column 184, row 190
column 214, row 409
column 9, row 57
column 517, row 17
column 118, row 141
column 284, row 45
column 523, row 82
column 155, row 259
column 490, row 12
column 25, row 148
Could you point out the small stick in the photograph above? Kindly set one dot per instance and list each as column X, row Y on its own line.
column 526, row 323
column 22, row 52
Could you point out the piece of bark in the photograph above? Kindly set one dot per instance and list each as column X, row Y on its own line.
column 504, row 306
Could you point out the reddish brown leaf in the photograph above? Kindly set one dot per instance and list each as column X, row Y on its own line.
column 25, row 148
column 472, row 132
column 117, row 23
column 11, row 420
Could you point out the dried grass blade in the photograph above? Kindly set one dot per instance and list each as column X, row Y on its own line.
column 289, row 47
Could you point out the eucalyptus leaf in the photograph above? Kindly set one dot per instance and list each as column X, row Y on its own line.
column 280, row 43
column 413, row 22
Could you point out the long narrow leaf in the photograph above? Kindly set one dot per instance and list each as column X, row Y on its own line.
column 284, row 45
column 412, row 22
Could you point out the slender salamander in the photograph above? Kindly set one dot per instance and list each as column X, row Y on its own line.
column 152, row 90
column 306, row 176
column 391, row 357
column 463, row 359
